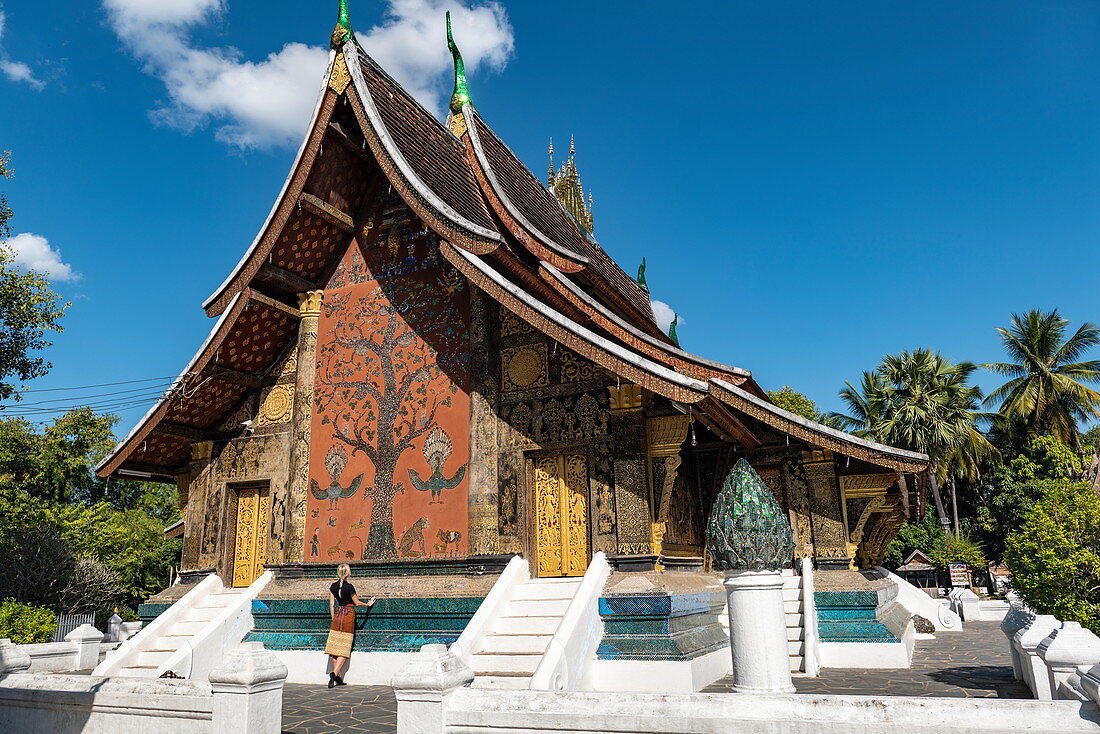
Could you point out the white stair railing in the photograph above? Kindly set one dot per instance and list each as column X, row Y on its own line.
column 146, row 638
column 916, row 601
column 574, row 644
column 201, row 653
column 810, row 638
column 514, row 575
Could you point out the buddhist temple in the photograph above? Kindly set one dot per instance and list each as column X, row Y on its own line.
column 425, row 364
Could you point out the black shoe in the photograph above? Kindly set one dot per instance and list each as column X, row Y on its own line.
column 340, row 681
column 332, row 679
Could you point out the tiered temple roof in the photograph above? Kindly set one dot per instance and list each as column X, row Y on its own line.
column 500, row 227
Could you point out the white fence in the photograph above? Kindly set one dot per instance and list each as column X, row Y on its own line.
column 433, row 698
column 1058, row 660
column 244, row 696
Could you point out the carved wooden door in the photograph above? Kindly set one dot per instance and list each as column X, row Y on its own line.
column 561, row 515
column 250, row 550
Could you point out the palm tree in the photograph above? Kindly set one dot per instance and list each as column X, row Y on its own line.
column 1046, row 394
column 919, row 401
column 866, row 405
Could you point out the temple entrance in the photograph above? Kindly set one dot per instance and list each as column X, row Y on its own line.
column 561, row 515
column 250, row 547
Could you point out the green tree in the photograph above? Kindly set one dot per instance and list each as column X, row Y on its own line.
column 1055, row 556
column 26, row 624
column 28, row 309
column 866, row 405
column 790, row 399
column 58, row 462
column 1046, row 392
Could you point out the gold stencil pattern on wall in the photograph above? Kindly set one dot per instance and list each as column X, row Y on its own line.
column 561, row 515
column 276, row 406
column 510, row 324
column 524, row 367
column 250, row 549
column 575, row 368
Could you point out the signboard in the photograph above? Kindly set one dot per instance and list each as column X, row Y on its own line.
column 959, row 575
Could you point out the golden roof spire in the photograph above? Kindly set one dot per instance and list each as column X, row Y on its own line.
column 566, row 185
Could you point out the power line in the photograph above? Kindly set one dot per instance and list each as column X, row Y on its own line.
column 79, row 398
column 102, row 384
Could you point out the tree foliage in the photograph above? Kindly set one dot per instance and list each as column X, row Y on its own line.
column 1046, row 392
column 26, row 624
column 791, row 400
column 941, row 547
column 58, row 462
column 5, row 208
column 1055, row 556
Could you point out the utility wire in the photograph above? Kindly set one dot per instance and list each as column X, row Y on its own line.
column 102, row 384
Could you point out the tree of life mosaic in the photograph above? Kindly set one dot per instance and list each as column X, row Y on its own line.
column 390, row 436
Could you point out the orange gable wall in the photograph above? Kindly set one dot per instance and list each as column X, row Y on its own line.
column 389, row 446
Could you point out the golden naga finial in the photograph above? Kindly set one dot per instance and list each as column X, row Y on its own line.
column 550, row 172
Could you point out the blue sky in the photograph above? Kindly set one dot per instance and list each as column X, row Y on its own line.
column 813, row 184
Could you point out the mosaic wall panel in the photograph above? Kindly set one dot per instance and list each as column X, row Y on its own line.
column 632, row 506
column 684, row 527
column 390, row 451
column 484, row 533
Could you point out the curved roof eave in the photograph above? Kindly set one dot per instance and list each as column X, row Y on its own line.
column 902, row 459
column 669, row 383
column 394, row 152
column 162, row 402
column 483, row 162
column 638, row 333
column 282, row 192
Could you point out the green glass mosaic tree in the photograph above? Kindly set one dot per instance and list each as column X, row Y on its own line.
column 748, row 530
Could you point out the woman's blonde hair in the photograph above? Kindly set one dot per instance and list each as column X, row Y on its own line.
column 343, row 571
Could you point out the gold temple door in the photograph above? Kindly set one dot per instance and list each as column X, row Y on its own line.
column 561, row 515
column 250, row 549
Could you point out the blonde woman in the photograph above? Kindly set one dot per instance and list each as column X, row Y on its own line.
column 342, row 601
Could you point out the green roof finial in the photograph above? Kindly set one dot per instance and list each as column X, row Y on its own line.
column 461, row 94
column 342, row 33
column 672, row 329
column 641, row 275
column 747, row 529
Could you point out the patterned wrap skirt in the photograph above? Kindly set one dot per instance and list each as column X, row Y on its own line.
column 341, row 634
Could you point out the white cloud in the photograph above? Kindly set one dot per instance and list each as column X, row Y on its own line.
column 33, row 252
column 268, row 103
column 664, row 314
column 16, row 71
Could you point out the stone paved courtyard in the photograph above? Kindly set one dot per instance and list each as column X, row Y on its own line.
column 973, row 663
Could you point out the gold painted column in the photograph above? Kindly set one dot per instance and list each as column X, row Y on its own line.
column 309, row 312
column 664, row 436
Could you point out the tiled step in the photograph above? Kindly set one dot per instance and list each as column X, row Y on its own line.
column 515, row 643
column 854, row 632
column 493, row 664
column 540, row 607
column 506, row 682
column 533, row 624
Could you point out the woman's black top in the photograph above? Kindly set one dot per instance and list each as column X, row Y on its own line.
column 343, row 595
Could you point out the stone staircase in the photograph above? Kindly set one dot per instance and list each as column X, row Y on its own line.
column 512, row 649
column 850, row 616
column 794, row 614
column 144, row 663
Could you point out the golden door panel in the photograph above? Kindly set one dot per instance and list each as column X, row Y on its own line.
column 250, row 548
column 561, row 515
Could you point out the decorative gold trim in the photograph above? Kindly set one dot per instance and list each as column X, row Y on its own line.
column 457, row 125
column 309, row 304
column 329, row 213
column 666, row 434
column 202, row 450
column 866, row 485
column 628, row 396
column 340, row 77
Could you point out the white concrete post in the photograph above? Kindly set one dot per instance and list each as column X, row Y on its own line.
column 126, row 630
column 114, row 628
column 758, row 632
column 1027, row 640
column 1016, row 619
column 12, row 659
column 1065, row 649
column 1090, row 683
column 248, row 691
column 422, row 688
column 87, row 639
